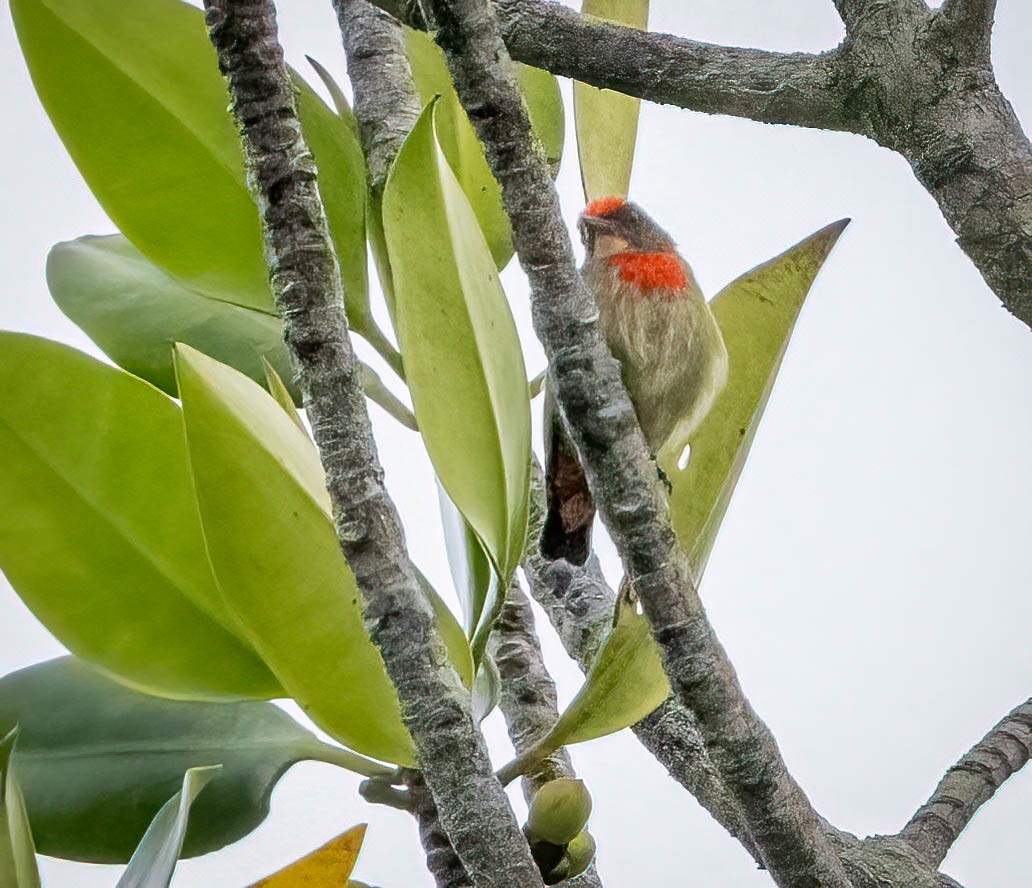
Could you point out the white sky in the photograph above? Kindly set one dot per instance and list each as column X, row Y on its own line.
column 872, row 580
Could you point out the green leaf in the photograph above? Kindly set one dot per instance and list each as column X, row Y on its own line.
column 99, row 532
column 334, row 143
column 266, row 517
column 606, row 121
column 97, row 760
column 17, row 853
column 340, row 101
column 625, row 683
column 545, row 108
column 471, row 572
column 154, row 863
column 463, row 360
column 461, row 146
column 265, row 512
column 134, row 311
column 757, row 313
column 135, row 94
column 276, row 387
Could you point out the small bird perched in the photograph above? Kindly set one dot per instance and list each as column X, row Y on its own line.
column 660, row 328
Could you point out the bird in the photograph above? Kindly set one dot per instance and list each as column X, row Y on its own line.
column 672, row 355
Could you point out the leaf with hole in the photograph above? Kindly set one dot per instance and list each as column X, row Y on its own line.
column 463, row 359
column 99, row 532
column 97, row 760
column 757, row 314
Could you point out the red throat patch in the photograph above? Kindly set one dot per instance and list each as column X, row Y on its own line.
column 650, row 271
column 603, row 206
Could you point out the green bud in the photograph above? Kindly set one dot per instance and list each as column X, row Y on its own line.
column 559, row 811
column 580, row 853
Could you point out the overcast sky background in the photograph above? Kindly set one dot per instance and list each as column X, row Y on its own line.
column 872, row 582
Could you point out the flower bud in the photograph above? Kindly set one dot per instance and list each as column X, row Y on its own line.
column 580, row 853
column 559, row 811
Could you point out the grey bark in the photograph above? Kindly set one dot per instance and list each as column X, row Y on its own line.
column 579, row 603
column 915, row 80
column 385, row 103
column 307, row 288
column 621, row 474
column 969, row 784
column 528, row 699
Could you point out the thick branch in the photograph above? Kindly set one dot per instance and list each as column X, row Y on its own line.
column 306, row 284
column 441, row 860
column 969, row 784
column 528, row 698
column 621, row 474
column 975, row 17
column 771, row 87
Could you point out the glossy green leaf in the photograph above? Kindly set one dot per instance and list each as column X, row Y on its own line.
column 757, row 313
column 276, row 387
column 99, row 533
column 607, row 121
column 487, row 688
column 265, row 509
column 463, row 359
column 334, row 143
column 135, row 94
column 462, row 147
column 134, row 311
column 134, row 91
column 154, row 862
column 17, row 853
column 266, row 518
column 625, row 683
column 97, row 761
column 470, row 567
column 340, row 101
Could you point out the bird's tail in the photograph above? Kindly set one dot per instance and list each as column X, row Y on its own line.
column 570, row 509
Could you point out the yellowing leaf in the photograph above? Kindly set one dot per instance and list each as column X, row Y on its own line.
column 326, row 867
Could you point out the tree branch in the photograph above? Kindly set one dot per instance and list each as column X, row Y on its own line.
column 386, row 106
column 969, row 784
column 620, row 472
column 973, row 16
column 771, row 87
column 579, row 604
column 306, row 284
column 528, row 698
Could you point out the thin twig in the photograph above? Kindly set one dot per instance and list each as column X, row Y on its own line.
column 307, row 287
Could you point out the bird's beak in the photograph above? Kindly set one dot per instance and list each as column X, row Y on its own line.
column 591, row 227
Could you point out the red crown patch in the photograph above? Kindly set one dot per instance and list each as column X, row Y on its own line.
column 603, row 206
